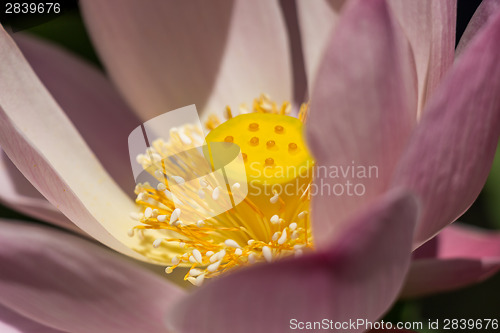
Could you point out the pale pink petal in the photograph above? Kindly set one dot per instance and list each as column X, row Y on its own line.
column 358, row 277
column 43, row 144
column 167, row 54
column 317, row 19
column 70, row 284
column 362, row 112
column 430, row 28
column 17, row 193
column 451, row 152
column 457, row 257
column 13, row 322
column 90, row 101
column 483, row 14
column 95, row 109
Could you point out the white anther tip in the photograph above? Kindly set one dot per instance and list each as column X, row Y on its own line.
column 214, row 257
column 194, row 272
column 179, row 180
column 199, row 280
column 197, row 256
column 232, row 243
column 251, row 258
column 266, row 252
column 283, row 237
column 275, row 219
column 168, row 194
column 148, row 212
column 156, row 157
column 142, row 196
column 216, row 193
column 185, row 139
column 175, row 215
column 213, row 267
column 157, row 243
column 221, row 254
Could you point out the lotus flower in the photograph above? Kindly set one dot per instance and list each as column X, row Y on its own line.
column 385, row 90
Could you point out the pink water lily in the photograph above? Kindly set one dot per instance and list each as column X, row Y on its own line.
column 385, row 90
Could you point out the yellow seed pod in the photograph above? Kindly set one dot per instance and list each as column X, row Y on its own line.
column 275, row 155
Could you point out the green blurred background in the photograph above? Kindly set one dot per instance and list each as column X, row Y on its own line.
column 476, row 302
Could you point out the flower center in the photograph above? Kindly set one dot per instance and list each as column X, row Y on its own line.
column 270, row 222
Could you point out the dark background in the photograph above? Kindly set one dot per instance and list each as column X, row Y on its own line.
column 477, row 302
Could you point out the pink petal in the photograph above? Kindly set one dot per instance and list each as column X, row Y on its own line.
column 358, row 277
column 317, row 20
column 65, row 282
column 175, row 53
column 430, row 28
column 90, row 101
column 97, row 112
column 483, row 14
column 362, row 112
column 451, row 152
column 17, row 193
column 462, row 255
column 46, row 148
column 13, row 322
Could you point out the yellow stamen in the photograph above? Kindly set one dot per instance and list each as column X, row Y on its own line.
column 268, row 224
column 229, row 113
